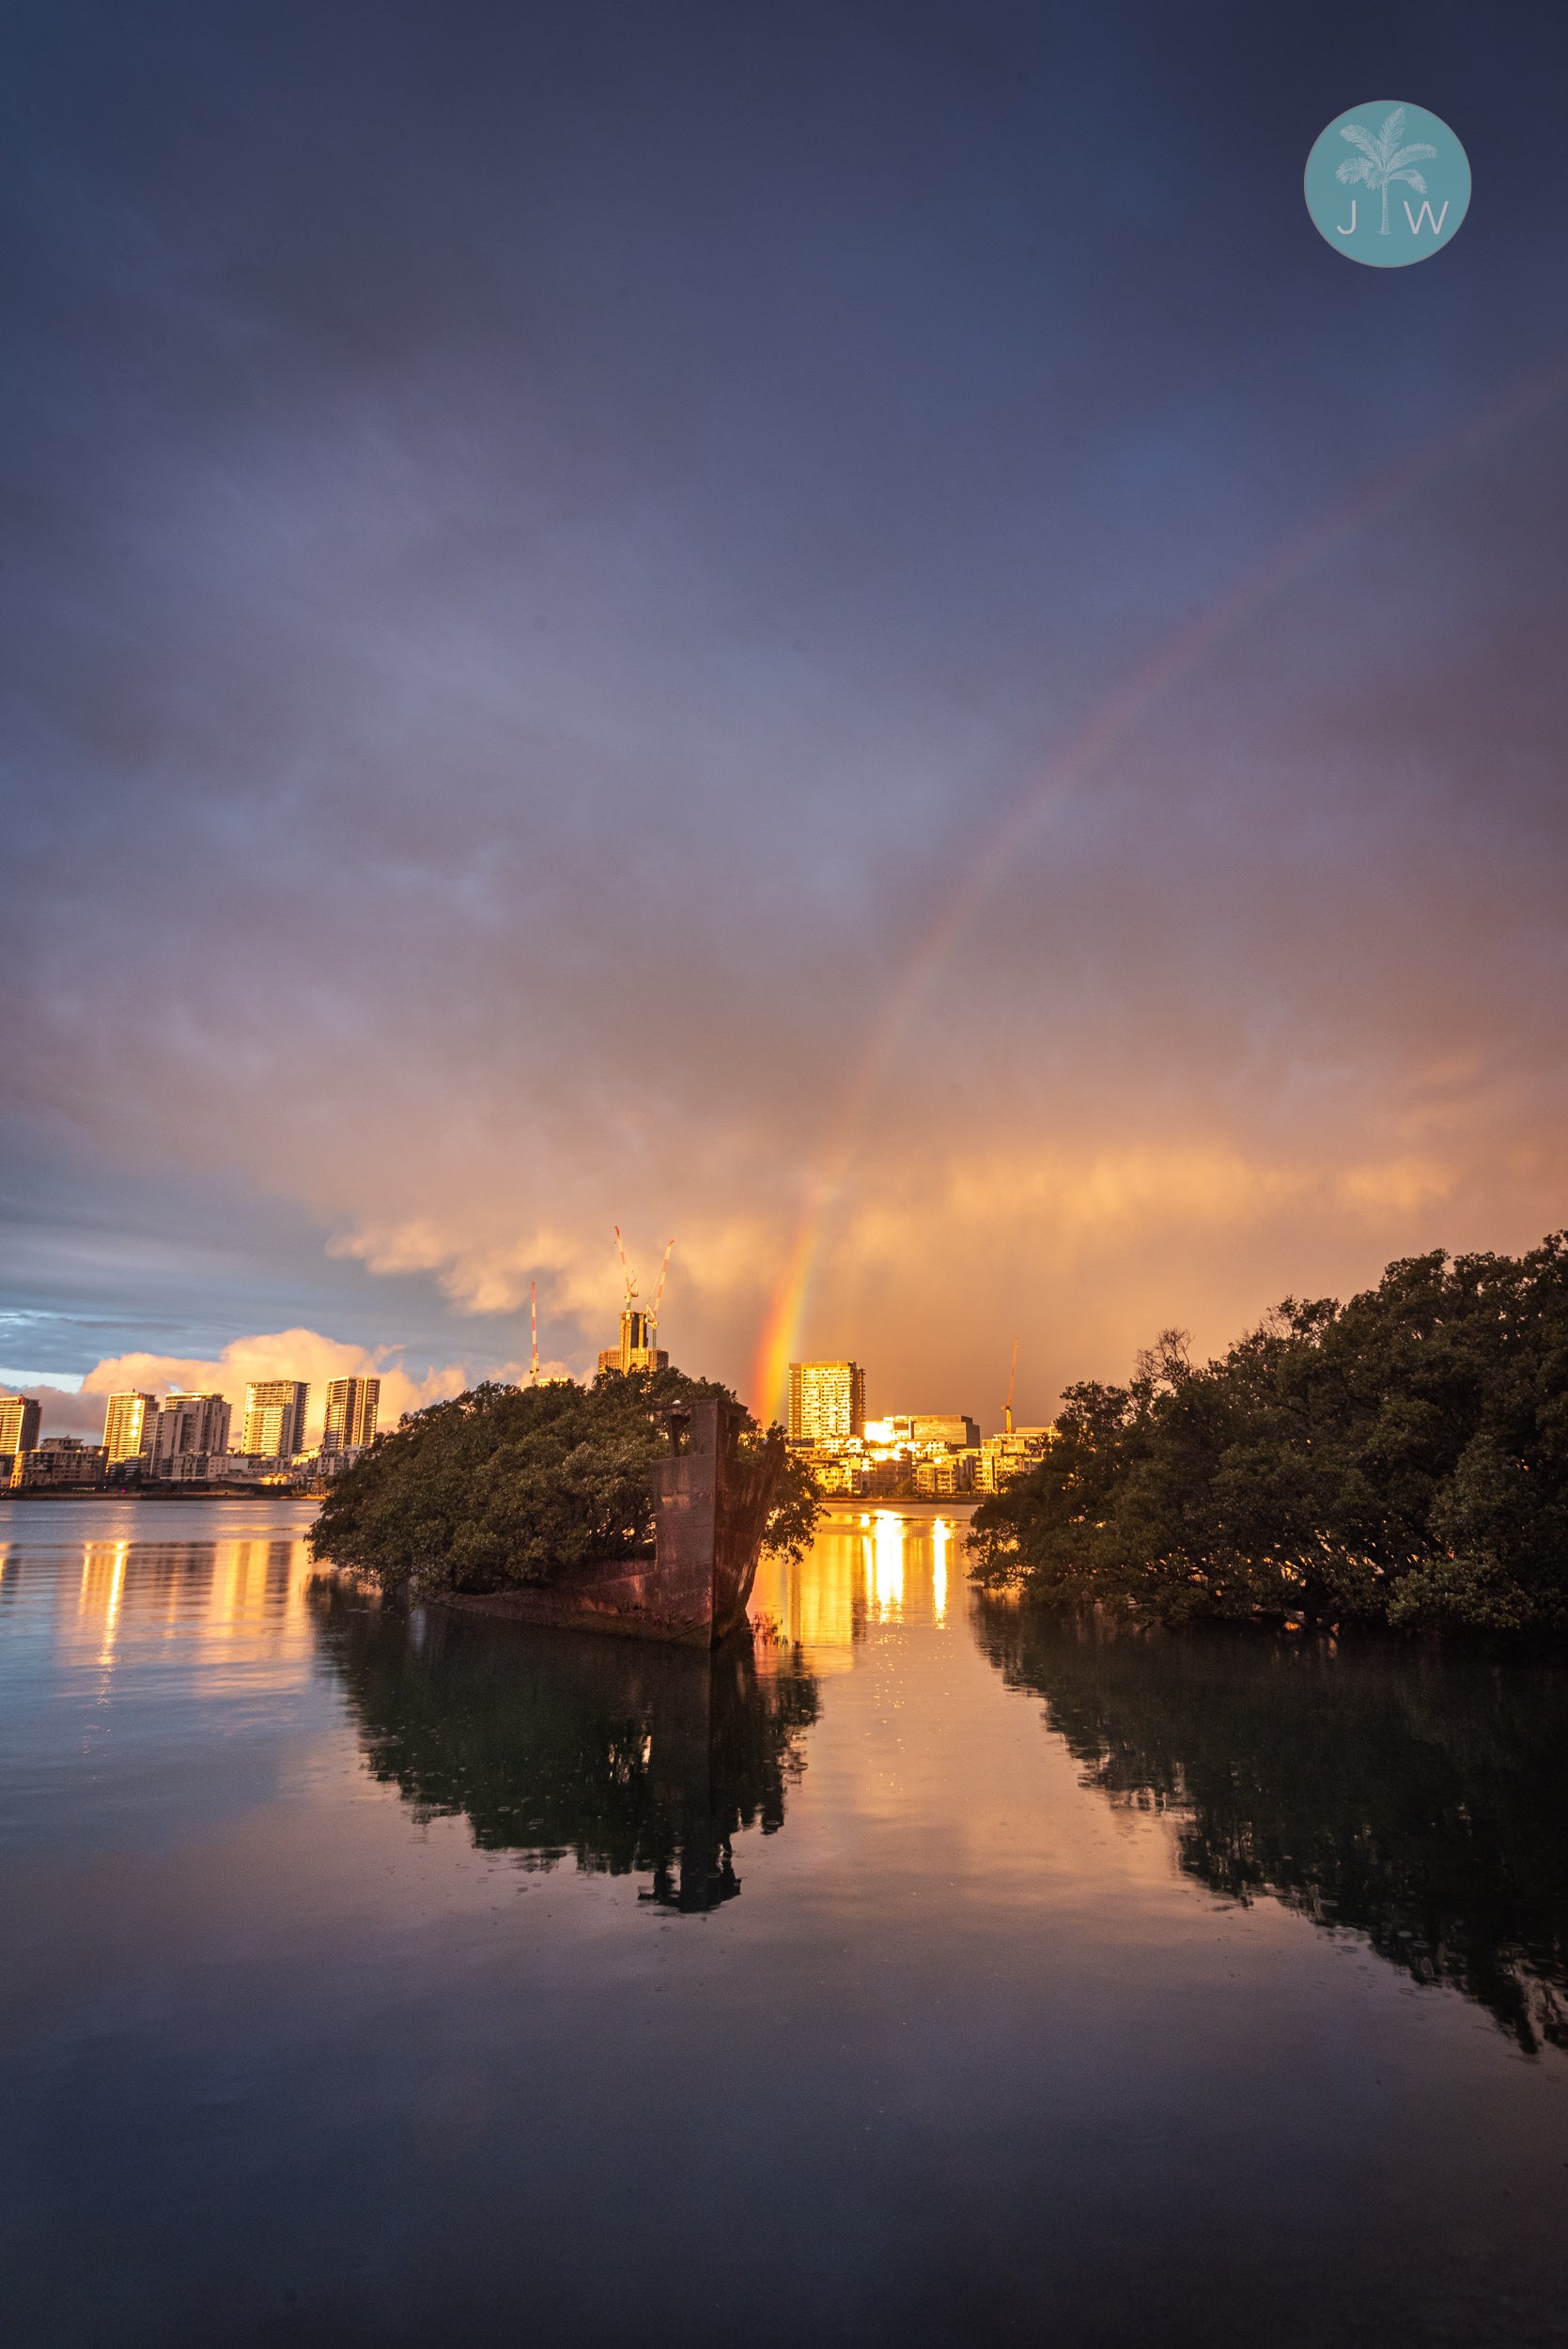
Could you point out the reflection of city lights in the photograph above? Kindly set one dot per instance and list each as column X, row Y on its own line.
column 887, row 1563
column 116, row 1591
column 813, row 1601
column 866, row 1568
column 104, row 1563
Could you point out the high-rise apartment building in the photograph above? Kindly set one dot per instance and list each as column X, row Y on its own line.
column 274, row 1423
column 351, row 1407
column 189, row 1422
column 636, row 1350
column 127, row 1427
column 827, row 1402
column 20, row 1415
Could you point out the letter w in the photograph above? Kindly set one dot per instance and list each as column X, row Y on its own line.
column 1416, row 219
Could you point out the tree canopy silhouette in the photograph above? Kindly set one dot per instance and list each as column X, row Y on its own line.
column 1401, row 1460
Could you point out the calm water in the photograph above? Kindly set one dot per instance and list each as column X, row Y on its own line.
column 929, row 1975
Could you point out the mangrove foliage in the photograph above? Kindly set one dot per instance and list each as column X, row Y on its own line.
column 1401, row 1459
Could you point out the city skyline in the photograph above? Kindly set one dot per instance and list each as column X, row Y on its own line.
column 707, row 643
column 273, row 1422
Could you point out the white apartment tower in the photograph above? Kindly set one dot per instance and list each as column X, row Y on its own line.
column 351, row 1408
column 189, row 1422
column 128, row 1424
column 20, row 1415
column 275, row 1425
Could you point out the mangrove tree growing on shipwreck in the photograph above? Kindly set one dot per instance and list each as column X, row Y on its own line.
column 506, row 1486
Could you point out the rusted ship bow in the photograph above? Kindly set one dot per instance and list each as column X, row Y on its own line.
column 711, row 1499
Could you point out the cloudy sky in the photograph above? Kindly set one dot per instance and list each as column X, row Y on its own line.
column 828, row 629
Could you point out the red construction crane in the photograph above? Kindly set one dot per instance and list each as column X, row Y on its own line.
column 653, row 1317
column 626, row 1269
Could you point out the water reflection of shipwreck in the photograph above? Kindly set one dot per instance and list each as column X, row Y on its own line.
column 711, row 1499
column 630, row 1757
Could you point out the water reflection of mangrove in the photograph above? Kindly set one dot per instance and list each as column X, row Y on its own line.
column 1416, row 1799
column 634, row 1758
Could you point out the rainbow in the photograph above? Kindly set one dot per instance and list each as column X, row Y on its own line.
column 1181, row 653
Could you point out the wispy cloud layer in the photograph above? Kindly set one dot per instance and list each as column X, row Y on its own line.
column 527, row 609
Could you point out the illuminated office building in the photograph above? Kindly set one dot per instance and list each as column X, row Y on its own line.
column 954, row 1428
column 827, row 1402
column 20, row 1415
column 189, row 1422
column 274, row 1427
column 127, row 1427
column 351, row 1408
column 637, row 1349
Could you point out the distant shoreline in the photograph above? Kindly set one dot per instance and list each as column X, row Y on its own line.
column 843, row 1505
column 138, row 1493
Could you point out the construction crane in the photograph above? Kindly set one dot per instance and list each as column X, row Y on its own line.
column 534, row 1332
column 626, row 1271
column 639, row 1330
column 1007, row 1415
column 658, row 1292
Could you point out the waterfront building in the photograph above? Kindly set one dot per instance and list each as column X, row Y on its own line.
column 188, row 1422
column 128, row 1422
column 61, row 1460
column 213, row 1467
column 861, row 1474
column 274, row 1421
column 1003, row 1458
column 827, row 1403
column 637, row 1349
column 351, row 1408
column 954, row 1428
column 945, row 1475
column 20, row 1415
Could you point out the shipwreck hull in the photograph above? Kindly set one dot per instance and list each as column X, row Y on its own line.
column 711, row 1501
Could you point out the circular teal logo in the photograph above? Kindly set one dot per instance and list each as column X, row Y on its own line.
column 1387, row 183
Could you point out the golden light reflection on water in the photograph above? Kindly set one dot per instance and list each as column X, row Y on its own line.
column 866, row 1569
column 102, row 1591
column 217, row 1596
column 885, row 1591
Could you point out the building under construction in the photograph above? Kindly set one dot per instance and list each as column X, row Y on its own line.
column 639, row 1348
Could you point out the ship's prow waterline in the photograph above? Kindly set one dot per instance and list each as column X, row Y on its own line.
column 711, row 1499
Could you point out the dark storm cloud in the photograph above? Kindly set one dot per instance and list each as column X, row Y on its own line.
column 542, row 540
